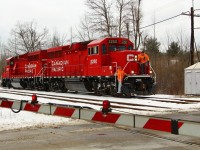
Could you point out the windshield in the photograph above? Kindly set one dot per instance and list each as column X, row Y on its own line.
column 117, row 47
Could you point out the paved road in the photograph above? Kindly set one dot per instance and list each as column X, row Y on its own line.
column 85, row 135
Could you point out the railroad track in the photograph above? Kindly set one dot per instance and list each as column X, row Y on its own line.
column 171, row 100
column 128, row 106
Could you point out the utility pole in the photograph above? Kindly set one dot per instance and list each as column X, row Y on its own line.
column 192, row 15
column 192, row 37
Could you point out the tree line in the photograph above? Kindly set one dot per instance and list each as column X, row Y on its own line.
column 106, row 18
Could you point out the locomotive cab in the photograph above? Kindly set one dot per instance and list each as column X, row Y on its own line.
column 105, row 55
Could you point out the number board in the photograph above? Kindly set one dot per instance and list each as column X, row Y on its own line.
column 112, row 41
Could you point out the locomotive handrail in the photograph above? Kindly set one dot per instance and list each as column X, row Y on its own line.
column 41, row 72
column 126, row 65
column 115, row 73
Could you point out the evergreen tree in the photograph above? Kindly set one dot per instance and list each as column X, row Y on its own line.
column 174, row 49
column 152, row 45
column 152, row 49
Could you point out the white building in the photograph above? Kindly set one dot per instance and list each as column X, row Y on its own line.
column 192, row 79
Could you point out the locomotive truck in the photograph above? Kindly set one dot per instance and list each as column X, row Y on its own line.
column 88, row 66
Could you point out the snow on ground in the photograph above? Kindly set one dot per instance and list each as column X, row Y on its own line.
column 10, row 120
column 24, row 119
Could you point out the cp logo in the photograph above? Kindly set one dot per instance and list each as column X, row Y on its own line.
column 130, row 57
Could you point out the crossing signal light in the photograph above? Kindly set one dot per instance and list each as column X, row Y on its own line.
column 106, row 107
column 34, row 99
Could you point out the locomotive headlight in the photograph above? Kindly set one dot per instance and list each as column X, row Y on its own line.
column 136, row 58
column 150, row 72
column 132, row 72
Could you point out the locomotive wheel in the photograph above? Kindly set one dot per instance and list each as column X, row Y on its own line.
column 3, row 84
column 64, row 90
column 127, row 95
column 46, row 87
column 51, row 87
column 23, row 84
column 97, row 92
column 113, row 91
column 9, row 85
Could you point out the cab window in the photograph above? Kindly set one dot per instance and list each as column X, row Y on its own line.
column 93, row 50
column 12, row 63
column 121, row 47
column 103, row 49
column 130, row 47
column 117, row 47
column 112, row 48
column 89, row 51
column 96, row 50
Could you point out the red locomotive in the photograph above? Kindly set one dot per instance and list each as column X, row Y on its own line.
column 82, row 66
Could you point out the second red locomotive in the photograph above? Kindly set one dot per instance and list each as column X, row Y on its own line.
column 88, row 66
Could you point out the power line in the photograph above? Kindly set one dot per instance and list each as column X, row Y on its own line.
column 183, row 13
column 161, row 21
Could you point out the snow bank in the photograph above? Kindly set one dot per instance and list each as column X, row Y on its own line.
column 10, row 120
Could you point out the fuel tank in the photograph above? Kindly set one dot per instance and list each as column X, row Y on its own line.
column 78, row 84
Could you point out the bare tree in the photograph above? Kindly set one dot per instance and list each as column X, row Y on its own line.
column 101, row 16
column 25, row 37
column 1, row 50
column 136, row 18
column 122, row 23
column 108, row 23
column 2, row 57
column 85, row 31
column 58, row 39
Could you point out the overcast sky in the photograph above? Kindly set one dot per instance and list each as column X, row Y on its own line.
column 61, row 15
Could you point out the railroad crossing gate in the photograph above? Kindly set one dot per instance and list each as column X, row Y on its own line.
column 105, row 116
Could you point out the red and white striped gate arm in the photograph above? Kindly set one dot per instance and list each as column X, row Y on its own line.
column 130, row 120
column 48, row 109
column 152, row 123
column 112, row 118
column 190, row 129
